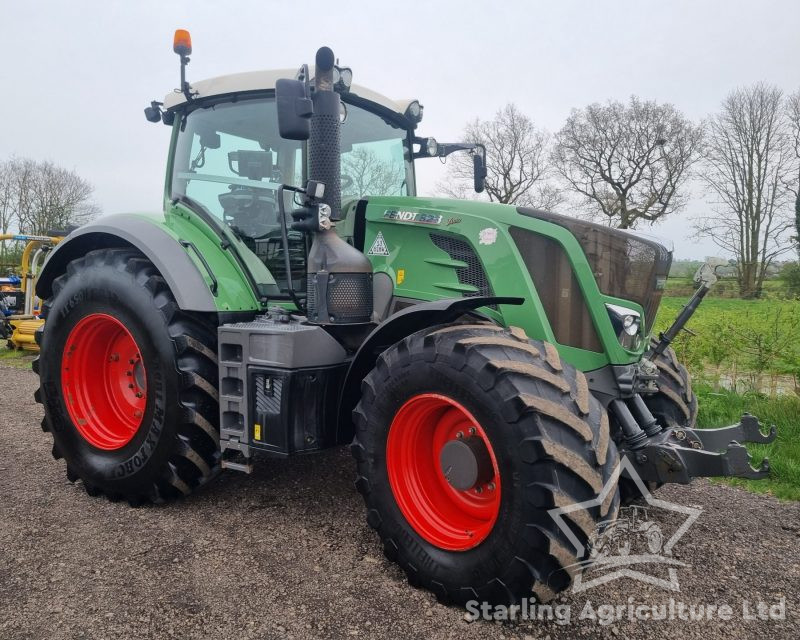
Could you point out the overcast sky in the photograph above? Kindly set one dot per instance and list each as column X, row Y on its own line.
column 76, row 75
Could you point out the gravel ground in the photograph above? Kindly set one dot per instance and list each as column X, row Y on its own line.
column 286, row 553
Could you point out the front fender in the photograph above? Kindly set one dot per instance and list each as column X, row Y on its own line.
column 393, row 329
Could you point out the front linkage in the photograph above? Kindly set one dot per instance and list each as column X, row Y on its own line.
column 678, row 455
column 664, row 453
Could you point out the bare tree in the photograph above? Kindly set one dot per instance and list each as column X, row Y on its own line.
column 51, row 197
column 23, row 172
column 748, row 157
column 7, row 210
column 364, row 173
column 516, row 162
column 628, row 162
column 793, row 115
column 36, row 197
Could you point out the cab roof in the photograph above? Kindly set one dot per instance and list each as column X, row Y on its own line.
column 265, row 80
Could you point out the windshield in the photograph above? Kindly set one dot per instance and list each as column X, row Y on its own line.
column 230, row 159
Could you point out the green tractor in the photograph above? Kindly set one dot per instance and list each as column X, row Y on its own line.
column 485, row 363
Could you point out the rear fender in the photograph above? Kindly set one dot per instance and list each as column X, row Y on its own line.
column 198, row 282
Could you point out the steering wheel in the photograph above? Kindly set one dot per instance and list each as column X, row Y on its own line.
column 253, row 214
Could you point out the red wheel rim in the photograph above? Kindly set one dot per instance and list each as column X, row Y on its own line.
column 103, row 381
column 446, row 517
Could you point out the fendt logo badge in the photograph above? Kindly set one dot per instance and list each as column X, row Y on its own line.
column 624, row 547
column 412, row 216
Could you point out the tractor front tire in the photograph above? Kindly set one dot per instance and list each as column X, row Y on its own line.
column 128, row 381
column 675, row 404
column 467, row 435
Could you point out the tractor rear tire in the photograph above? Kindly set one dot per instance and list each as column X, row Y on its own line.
column 675, row 404
column 128, row 381
column 540, row 441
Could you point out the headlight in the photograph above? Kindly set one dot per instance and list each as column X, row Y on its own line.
column 432, row 147
column 627, row 325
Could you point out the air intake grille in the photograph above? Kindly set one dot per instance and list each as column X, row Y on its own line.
column 340, row 298
column 473, row 274
column 350, row 297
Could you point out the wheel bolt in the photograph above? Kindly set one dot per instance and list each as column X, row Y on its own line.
column 130, row 386
column 478, row 489
column 114, row 357
column 129, row 373
column 472, row 431
column 131, row 361
column 491, row 486
column 138, row 394
column 460, row 435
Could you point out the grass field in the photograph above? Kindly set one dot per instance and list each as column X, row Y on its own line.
column 722, row 408
column 751, row 338
column 752, row 346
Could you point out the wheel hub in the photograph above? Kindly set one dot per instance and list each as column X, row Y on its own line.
column 465, row 463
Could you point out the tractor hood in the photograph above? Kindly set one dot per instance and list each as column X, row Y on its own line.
column 625, row 265
column 578, row 272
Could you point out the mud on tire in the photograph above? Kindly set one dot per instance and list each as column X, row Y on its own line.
column 551, row 441
column 176, row 446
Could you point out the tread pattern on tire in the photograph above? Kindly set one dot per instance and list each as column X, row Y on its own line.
column 562, row 438
column 195, row 457
column 675, row 399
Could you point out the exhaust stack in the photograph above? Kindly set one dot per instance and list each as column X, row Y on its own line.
column 325, row 139
column 339, row 276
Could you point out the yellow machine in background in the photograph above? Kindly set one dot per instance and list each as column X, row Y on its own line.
column 18, row 300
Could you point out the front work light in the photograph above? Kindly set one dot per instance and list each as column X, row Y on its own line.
column 342, row 79
column 414, row 111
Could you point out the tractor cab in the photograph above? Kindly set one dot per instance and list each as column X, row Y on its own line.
column 228, row 158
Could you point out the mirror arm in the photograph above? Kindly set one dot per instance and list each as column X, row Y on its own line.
column 445, row 149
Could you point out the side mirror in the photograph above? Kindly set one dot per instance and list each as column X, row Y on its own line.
column 479, row 172
column 294, row 109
